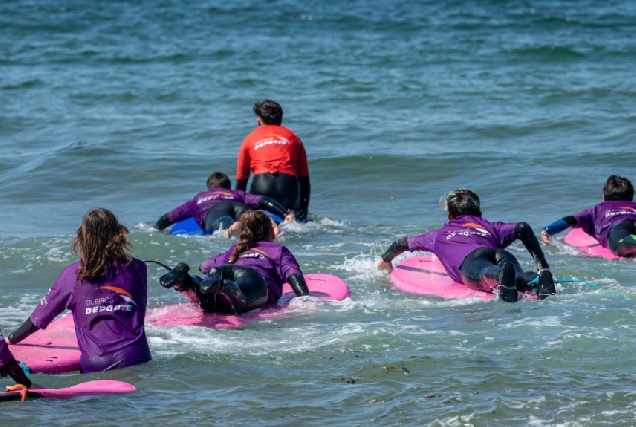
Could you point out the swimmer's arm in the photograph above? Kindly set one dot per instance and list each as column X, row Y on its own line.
column 57, row 299
column 25, row 330
column 305, row 193
column 557, row 227
column 177, row 214
column 271, row 205
column 399, row 246
column 290, row 271
column 15, row 371
column 524, row 232
column 298, row 284
column 241, row 184
column 163, row 222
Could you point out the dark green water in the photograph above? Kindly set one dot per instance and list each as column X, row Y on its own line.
column 130, row 105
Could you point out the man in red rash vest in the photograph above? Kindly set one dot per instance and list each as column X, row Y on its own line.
column 278, row 159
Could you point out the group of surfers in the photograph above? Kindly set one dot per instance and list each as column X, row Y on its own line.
column 251, row 273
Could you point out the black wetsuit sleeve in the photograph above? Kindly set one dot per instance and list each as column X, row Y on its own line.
column 241, row 184
column 524, row 232
column 14, row 370
column 298, row 284
column 399, row 246
column 273, row 206
column 26, row 329
column 305, row 193
column 163, row 222
column 239, row 209
column 570, row 220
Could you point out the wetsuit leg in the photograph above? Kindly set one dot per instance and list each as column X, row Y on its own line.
column 621, row 239
column 223, row 214
column 280, row 187
column 134, row 354
column 483, row 270
column 216, row 224
column 232, row 289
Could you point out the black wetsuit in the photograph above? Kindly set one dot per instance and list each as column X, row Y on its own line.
column 621, row 239
column 481, row 269
column 290, row 191
column 228, row 288
column 223, row 214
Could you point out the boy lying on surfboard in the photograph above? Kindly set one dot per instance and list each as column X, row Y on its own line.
column 220, row 207
column 471, row 249
column 612, row 222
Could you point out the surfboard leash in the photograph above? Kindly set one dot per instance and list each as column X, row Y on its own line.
column 625, row 299
column 160, row 263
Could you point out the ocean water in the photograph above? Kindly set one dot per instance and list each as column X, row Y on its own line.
column 130, row 105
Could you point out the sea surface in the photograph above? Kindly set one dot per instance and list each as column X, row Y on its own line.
column 130, row 105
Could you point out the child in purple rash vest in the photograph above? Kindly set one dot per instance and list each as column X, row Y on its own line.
column 220, row 207
column 612, row 222
column 471, row 249
column 249, row 275
column 106, row 292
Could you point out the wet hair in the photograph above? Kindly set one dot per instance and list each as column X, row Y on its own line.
column 256, row 226
column 462, row 202
column 101, row 242
column 618, row 188
column 270, row 112
column 219, row 179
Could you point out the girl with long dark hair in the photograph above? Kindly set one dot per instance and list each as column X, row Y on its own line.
column 106, row 291
column 249, row 275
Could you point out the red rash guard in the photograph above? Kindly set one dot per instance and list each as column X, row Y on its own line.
column 272, row 149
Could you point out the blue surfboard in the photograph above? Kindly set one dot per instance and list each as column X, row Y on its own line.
column 189, row 227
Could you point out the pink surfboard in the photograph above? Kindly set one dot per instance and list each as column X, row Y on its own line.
column 425, row 275
column 52, row 350
column 587, row 244
column 89, row 388
column 323, row 286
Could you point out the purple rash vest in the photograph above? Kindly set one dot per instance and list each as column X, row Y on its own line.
column 199, row 206
column 459, row 237
column 5, row 353
column 108, row 312
column 271, row 260
column 598, row 220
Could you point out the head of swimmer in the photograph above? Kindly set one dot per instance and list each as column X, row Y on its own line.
column 101, row 241
column 219, row 179
column 256, row 226
column 268, row 112
column 618, row 188
column 461, row 202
